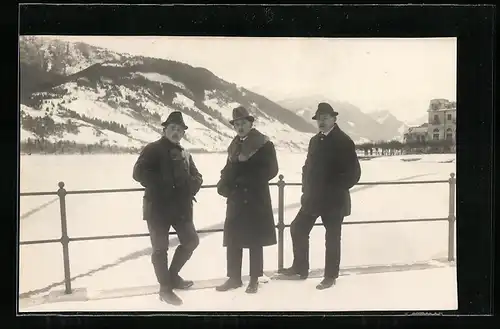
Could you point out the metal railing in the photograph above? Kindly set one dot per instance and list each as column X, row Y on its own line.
column 65, row 239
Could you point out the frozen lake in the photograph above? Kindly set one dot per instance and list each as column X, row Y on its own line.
column 126, row 262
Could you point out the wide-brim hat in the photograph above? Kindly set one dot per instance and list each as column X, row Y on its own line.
column 175, row 117
column 324, row 108
column 241, row 113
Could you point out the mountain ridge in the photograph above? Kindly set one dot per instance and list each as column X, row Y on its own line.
column 362, row 127
column 137, row 93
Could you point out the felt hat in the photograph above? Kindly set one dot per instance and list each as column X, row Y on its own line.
column 241, row 113
column 175, row 117
column 324, row 108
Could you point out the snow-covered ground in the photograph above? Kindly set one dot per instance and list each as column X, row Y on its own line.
column 418, row 290
column 120, row 263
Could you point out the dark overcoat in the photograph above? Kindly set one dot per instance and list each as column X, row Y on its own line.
column 330, row 170
column 171, row 181
column 249, row 213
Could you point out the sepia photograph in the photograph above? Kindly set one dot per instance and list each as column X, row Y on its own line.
column 176, row 174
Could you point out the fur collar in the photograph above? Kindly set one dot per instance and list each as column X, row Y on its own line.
column 254, row 141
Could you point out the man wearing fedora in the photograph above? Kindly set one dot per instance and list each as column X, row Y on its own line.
column 330, row 170
column 244, row 181
column 171, row 181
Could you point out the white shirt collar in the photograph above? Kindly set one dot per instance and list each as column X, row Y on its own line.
column 327, row 132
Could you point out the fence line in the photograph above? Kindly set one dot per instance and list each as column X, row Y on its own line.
column 280, row 226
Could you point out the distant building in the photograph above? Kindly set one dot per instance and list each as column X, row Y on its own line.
column 442, row 120
column 441, row 124
column 416, row 134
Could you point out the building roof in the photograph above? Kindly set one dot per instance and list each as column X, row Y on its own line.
column 443, row 110
column 419, row 129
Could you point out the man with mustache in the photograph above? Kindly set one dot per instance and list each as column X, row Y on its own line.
column 171, row 179
column 244, row 181
column 330, row 170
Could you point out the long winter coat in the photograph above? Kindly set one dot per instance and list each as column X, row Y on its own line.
column 249, row 214
column 171, row 181
column 331, row 169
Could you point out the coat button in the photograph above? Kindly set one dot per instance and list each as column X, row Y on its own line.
column 245, row 201
column 245, row 189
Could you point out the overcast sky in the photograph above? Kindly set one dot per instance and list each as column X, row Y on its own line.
column 399, row 75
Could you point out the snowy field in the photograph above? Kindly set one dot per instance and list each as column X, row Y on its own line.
column 120, row 263
column 433, row 289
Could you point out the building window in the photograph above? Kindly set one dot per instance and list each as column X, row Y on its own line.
column 435, row 135
column 448, row 117
column 436, row 119
column 449, row 134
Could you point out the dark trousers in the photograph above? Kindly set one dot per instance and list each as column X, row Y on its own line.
column 159, row 235
column 234, row 262
column 300, row 229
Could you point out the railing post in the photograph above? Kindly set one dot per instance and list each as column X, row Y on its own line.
column 451, row 219
column 64, row 237
column 281, row 220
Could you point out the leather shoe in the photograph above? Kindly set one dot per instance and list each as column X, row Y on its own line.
column 180, row 283
column 291, row 271
column 231, row 283
column 326, row 283
column 170, row 297
column 253, row 286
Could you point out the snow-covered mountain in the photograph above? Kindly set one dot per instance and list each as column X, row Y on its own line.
column 361, row 127
column 89, row 95
column 390, row 123
column 419, row 121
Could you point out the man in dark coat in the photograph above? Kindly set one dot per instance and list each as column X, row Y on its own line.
column 171, row 181
column 330, row 170
column 249, row 223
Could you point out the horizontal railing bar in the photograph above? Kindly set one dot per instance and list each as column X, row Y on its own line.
column 105, row 191
column 214, row 186
column 219, row 230
column 411, row 220
column 37, row 193
column 440, row 181
column 388, row 183
column 40, row 241
column 136, row 235
column 208, row 230
column 109, row 237
column 209, row 186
